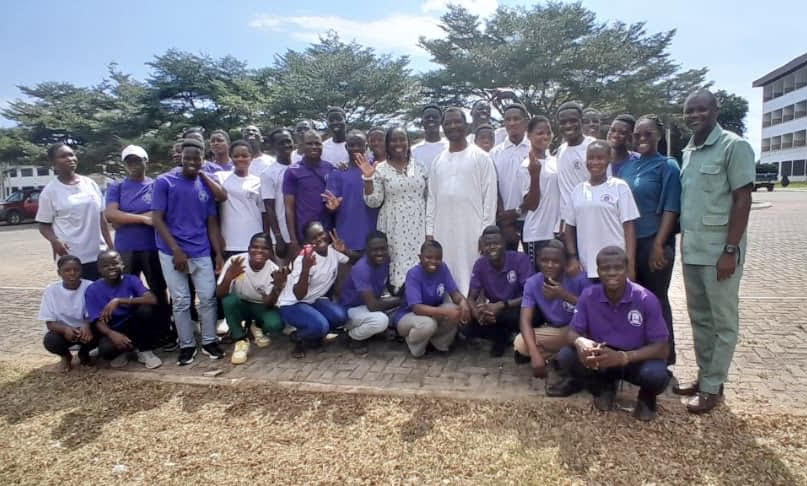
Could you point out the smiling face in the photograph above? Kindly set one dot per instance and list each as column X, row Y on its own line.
column 110, row 266
column 485, row 139
column 430, row 119
column 515, row 122
column 619, row 134
column 700, row 114
column 377, row 251
column 252, row 134
column 646, row 137
column 318, row 238
column 65, row 160
column 219, row 145
column 431, row 258
column 377, row 143
column 283, row 144
column 135, row 166
column 191, row 162
column 570, row 125
column 398, row 144
column 541, row 137
column 300, row 128
column 597, row 159
column 241, row 159
column 259, row 253
column 70, row 273
column 591, row 123
column 480, row 113
column 613, row 271
column 355, row 144
column 552, row 261
column 493, row 246
column 336, row 122
column 454, row 125
column 312, row 146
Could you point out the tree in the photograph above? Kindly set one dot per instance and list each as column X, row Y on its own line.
column 549, row 54
column 733, row 109
column 371, row 88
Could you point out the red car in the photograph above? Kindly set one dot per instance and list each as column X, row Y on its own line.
column 20, row 205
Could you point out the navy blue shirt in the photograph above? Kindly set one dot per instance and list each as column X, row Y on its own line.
column 656, row 185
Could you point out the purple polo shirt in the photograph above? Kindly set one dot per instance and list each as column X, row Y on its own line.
column 211, row 167
column 635, row 321
column 504, row 284
column 556, row 312
column 422, row 287
column 100, row 292
column 364, row 277
column 186, row 204
column 133, row 197
column 354, row 219
column 307, row 184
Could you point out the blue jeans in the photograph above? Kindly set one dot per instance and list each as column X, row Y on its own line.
column 650, row 376
column 314, row 321
column 204, row 280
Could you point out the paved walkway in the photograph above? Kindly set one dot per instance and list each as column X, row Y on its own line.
column 769, row 369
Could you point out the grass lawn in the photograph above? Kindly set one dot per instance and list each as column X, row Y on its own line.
column 90, row 428
column 792, row 185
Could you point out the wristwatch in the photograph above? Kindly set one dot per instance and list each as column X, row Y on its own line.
column 731, row 249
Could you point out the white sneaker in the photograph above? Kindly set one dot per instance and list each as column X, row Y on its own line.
column 222, row 327
column 240, row 352
column 261, row 340
column 149, row 359
column 287, row 329
column 119, row 361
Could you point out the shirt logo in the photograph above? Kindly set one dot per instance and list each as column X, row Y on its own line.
column 203, row 196
column 568, row 306
column 635, row 318
column 441, row 289
column 511, row 276
column 577, row 164
column 146, row 197
column 606, row 198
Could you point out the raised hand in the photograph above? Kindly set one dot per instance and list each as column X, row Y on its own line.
column 366, row 168
column 331, row 201
column 337, row 243
column 534, row 167
column 236, row 268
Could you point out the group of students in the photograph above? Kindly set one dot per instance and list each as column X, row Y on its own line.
column 364, row 234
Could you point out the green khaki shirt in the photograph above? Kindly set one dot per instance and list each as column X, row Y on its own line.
column 724, row 163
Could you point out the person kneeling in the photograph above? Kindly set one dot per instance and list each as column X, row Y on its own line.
column 120, row 309
column 249, row 292
column 362, row 291
column 424, row 317
column 549, row 298
column 497, row 283
column 618, row 332
column 63, row 311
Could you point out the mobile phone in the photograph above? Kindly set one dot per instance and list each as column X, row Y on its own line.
column 308, row 249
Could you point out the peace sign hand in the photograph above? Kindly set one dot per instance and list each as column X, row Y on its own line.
column 337, row 243
column 367, row 170
column 534, row 167
column 331, row 201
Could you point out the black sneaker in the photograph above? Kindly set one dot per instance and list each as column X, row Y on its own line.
column 646, row 407
column 498, row 349
column 356, row 347
column 186, row 356
column 520, row 358
column 213, row 350
column 604, row 400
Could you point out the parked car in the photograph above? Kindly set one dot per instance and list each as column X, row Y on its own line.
column 766, row 180
column 20, row 205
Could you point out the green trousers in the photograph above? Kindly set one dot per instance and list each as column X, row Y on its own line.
column 238, row 311
column 714, row 314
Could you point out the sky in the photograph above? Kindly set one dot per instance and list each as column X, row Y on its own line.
column 47, row 40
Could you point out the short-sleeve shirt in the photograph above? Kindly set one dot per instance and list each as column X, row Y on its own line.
column 556, row 312
column 656, row 186
column 616, row 165
column 74, row 210
column 242, row 212
column 571, row 163
column 541, row 224
column 507, row 158
column 425, row 153
column 598, row 213
column 251, row 285
column 272, row 188
column 334, row 152
column 186, row 205
column 425, row 288
column 260, row 164
column 354, row 219
column 321, row 277
column 307, row 183
column 64, row 305
column 635, row 321
column 133, row 197
column 504, row 284
column 364, row 277
column 710, row 173
column 100, row 293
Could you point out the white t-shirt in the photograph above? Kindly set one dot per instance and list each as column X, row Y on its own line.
column 334, row 152
column 572, row 168
column 598, row 212
column 241, row 213
column 541, row 224
column 260, row 164
column 75, row 212
column 272, row 188
column 425, row 153
column 63, row 305
column 320, row 279
column 499, row 136
column 251, row 284
column 296, row 157
column 507, row 158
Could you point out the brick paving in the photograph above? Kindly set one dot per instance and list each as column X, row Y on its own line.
column 769, row 370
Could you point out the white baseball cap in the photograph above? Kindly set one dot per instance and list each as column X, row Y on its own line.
column 134, row 150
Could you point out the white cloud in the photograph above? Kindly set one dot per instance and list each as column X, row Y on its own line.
column 476, row 7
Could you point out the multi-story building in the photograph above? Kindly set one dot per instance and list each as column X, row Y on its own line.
column 16, row 178
column 784, row 118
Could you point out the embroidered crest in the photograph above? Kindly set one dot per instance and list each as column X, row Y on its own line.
column 203, row 196
column 635, row 318
column 606, row 198
column 441, row 289
column 577, row 164
column 146, row 197
column 568, row 306
column 511, row 276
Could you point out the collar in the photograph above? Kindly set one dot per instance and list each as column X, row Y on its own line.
column 713, row 137
column 626, row 296
column 525, row 142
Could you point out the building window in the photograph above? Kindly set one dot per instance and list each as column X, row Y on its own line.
column 41, row 171
column 798, row 167
column 800, row 138
column 801, row 77
column 767, row 92
column 776, row 143
column 11, row 172
column 799, row 112
column 776, row 164
column 789, row 83
column 778, row 88
column 787, row 113
column 766, row 120
column 787, row 141
column 776, row 117
column 786, row 168
column 27, row 172
column 766, row 144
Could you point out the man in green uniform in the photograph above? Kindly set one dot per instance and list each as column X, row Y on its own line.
column 716, row 180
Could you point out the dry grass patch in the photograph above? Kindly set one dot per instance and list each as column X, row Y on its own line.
column 88, row 427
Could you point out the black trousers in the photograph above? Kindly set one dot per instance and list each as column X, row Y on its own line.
column 139, row 327
column 57, row 344
column 148, row 263
column 507, row 324
column 658, row 281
